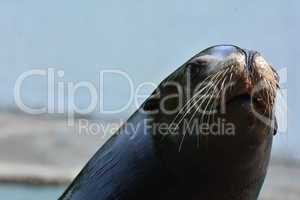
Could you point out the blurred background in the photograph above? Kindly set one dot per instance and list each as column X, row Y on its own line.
column 147, row 40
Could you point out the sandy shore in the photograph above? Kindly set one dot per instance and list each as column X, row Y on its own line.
column 46, row 151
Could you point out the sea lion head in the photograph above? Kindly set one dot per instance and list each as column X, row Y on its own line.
column 221, row 99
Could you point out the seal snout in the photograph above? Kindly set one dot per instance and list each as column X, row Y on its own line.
column 264, row 82
column 254, row 78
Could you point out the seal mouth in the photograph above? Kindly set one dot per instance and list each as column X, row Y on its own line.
column 242, row 96
column 259, row 101
column 245, row 93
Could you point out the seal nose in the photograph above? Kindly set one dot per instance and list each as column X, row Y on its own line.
column 250, row 55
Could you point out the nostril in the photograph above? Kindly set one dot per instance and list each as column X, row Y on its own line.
column 250, row 56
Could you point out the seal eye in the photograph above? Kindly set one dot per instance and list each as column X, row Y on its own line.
column 198, row 64
column 202, row 62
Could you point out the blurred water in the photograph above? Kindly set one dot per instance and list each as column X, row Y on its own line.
column 146, row 39
column 23, row 192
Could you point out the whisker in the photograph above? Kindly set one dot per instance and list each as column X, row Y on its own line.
column 203, row 100
column 199, row 98
column 211, row 103
column 189, row 102
column 215, row 77
column 194, row 96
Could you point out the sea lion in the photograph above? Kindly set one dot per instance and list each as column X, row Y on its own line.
column 205, row 133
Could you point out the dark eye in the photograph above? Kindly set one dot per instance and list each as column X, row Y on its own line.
column 197, row 65
column 198, row 62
